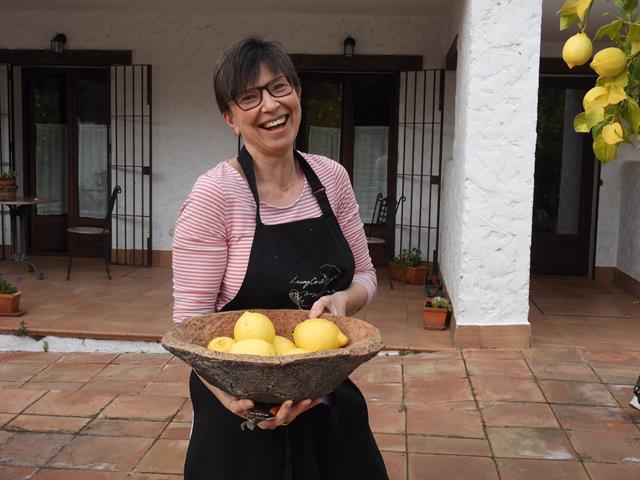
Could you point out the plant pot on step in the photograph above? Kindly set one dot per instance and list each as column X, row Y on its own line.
column 10, row 302
column 435, row 318
column 416, row 275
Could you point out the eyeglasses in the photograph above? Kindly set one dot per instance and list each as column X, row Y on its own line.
column 252, row 97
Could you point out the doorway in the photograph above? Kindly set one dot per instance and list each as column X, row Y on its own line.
column 66, row 152
column 351, row 118
column 565, row 174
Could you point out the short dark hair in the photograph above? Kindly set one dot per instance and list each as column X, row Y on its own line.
column 239, row 66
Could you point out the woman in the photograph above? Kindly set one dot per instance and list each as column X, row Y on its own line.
column 272, row 228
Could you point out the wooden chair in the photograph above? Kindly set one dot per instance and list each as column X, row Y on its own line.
column 104, row 232
column 380, row 219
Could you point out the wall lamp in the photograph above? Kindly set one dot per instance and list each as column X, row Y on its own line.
column 58, row 42
column 349, row 46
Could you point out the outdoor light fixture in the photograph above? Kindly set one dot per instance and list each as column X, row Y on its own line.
column 57, row 42
column 349, row 46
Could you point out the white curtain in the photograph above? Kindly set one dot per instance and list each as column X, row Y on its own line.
column 370, row 167
column 324, row 141
column 92, row 170
column 51, row 167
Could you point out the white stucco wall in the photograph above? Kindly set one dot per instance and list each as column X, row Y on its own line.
column 628, row 260
column 493, row 162
column 189, row 136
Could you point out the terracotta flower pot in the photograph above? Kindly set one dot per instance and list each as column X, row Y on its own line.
column 7, row 182
column 397, row 271
column 416, row 275
column 10, row 302
column 435, row 318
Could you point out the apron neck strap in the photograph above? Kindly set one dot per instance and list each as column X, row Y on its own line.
column 318, row 190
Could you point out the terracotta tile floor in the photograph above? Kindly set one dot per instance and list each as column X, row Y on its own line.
column 136, row 305
column 440, row 415
column 555, row 411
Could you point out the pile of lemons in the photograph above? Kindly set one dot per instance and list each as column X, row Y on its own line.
column 254, row 334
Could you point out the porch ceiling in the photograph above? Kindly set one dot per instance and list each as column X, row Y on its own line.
column 370, row 7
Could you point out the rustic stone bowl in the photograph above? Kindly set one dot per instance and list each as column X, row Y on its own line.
column 271, row 379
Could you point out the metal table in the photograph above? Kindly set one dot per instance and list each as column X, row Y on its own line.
column 18, row 208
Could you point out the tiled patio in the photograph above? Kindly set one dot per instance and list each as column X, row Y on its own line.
column 555, row 411
column 545, row 413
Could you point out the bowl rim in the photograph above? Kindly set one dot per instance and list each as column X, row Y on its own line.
column 356, row 349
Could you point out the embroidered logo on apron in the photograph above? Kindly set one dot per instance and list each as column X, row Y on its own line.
column 305, row 291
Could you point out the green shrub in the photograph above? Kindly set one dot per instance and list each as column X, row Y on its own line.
column 7, row 287
column 409, row 257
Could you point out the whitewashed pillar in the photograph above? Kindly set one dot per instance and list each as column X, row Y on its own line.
column 489, row 184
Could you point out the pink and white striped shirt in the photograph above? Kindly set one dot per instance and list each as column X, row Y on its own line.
column 214, row 233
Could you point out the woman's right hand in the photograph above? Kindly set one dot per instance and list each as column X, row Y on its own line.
column 237, row 406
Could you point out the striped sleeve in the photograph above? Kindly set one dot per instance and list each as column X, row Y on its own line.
column 199, row 250
column 353, row 230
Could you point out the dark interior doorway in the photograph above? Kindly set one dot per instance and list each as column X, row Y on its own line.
column 66, row 151
column 565, row 172
column 352, row 119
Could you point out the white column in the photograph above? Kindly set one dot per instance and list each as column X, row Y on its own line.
column 488, row 185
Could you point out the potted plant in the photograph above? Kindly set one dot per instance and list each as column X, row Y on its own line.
column 433, row 286
column 408, row 267
column 8, row 185
column 435, row 313
column 9, row 298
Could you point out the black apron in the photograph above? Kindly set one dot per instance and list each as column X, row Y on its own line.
column 290, row 266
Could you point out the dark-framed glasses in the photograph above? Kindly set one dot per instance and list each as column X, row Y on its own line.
column 252, row 97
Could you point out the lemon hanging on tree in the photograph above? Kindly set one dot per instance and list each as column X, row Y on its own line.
column 577, row 50
column 609, row 62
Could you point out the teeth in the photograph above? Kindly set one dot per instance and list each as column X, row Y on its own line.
column 276, row 122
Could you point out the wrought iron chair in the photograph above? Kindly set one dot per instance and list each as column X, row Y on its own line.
column 380, row 219
column 104, row 232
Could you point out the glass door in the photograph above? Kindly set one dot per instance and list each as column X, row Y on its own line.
column 348, row 118
column 66, row 144
column 563, row 185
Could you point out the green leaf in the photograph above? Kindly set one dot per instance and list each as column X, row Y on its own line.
column 612, row 30
column 634, row 32
column 627, row 6
column 631, row 114
column 635, row 48
column 604, row 152
column 582, row 7
column 594, row 115
column 567, row 20
column 568, row 7
column 621, row 80
column 616, row 94
column 580, row 123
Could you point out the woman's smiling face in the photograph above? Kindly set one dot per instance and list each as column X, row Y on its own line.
column 271, row 127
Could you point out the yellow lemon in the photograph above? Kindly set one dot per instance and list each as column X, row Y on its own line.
column 254, row 325
column 609, row 62
column 295, row 351
column 221, row 344
column 282, row 344
column 612, row 133
column 577, row 50
column 253, row 346
column 594, row 93
column 317, row 334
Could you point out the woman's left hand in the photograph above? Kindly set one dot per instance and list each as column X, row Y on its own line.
column 335, row 304
column 288, row 413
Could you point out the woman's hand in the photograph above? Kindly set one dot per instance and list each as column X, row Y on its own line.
column 237, row 406
column 288, row 413
column 335, row 304
column 344, row 302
